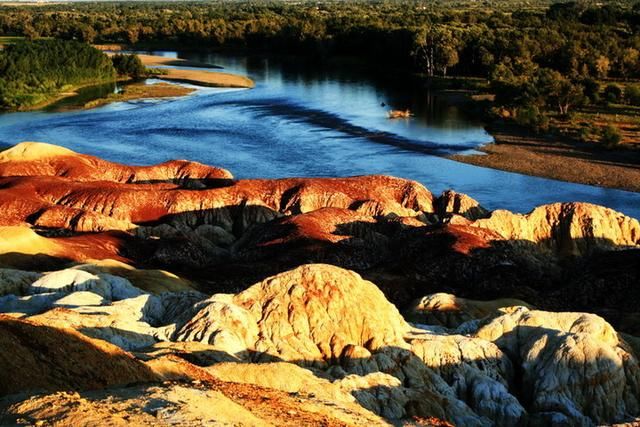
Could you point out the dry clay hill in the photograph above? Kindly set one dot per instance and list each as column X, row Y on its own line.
column 174, row 294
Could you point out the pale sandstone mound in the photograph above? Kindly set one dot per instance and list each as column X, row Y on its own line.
column 575, row 369
column 329, row 318
column 25, row 241
column 567, row 228
column 350, row 343
column 152, row 281
column 469, row 380
column 450, row 311
column 282, row 376
column 39, row 357
column 98, row 304
column 452, row 203
column 37, row 158
column 313, row 314
column 30, row 151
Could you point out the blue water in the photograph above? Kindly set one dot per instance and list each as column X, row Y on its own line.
column 304, row 122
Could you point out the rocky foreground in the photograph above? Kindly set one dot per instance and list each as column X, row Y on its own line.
column 176, row 295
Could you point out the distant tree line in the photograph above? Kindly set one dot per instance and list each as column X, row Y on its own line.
column 537, row 59
column 571, row 38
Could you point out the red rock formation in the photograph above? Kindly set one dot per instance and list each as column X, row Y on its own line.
column 36, row 158
column 94, row 206
column 229, row 234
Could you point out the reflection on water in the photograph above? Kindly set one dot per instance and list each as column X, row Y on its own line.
column 304, row 121
column 84, row 95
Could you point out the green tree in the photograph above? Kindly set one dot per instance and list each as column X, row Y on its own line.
column 610, row 136
column 591, row 89
column 33, row 71
column 436, row 50
column 558, row 90
column 613, row 93
column 632, row 94
column 629, row 62
column 513, row 91
column 129, row 65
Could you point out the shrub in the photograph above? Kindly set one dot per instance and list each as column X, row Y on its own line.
column 587, row 132
column 610, row 136
column 533, row 118
column 591, row 90
column 632, row 94
column 613, row 93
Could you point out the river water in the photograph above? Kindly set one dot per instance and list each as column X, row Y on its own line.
column 304, row 121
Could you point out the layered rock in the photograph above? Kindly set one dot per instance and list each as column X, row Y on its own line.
column 37, row 158
column 38, row 357
column 450, row 311
column 576, row 370
column 567, row 228
column 325, row 332
column 302, row 315
column 75, row 232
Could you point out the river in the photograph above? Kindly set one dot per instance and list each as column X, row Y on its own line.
column 304, row 121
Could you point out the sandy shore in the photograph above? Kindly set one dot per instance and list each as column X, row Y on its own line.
column 206, row 78
column 155, row 60
column 196, row 77
column 515, row 150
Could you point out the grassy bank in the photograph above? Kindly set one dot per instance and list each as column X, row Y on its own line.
column 577, row 147
column 141, row 91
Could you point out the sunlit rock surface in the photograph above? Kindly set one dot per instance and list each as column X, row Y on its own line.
column 37, row 158
column 325, row 332
column 567, row 228
column 452, row 203
column 450, row 311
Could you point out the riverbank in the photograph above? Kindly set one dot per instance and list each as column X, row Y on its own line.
column 135, row 91
column 67, row 92
column 518, row 150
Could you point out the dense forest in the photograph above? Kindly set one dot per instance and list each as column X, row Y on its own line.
column 572, row 38
column 30, row 73
column 539, row 61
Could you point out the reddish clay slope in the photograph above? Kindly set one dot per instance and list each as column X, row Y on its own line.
column 36, row 158
column 63, row 203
